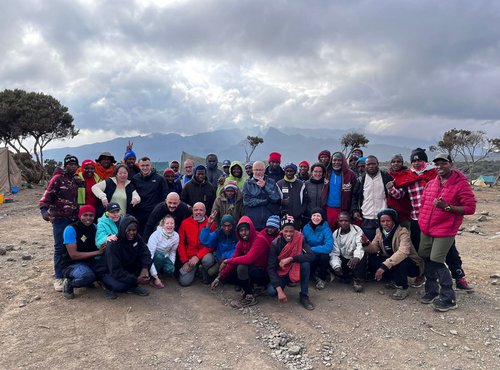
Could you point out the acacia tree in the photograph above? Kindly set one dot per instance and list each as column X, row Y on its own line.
column 33, row 117
column 471, row 146
column 251, row 143
column 352, row 141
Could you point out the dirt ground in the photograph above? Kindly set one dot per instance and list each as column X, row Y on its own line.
column 194, row 328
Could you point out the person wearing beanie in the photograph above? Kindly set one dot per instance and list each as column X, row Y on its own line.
column 199, row 189
column 129, row 159
column 229, row 202
column 59, row 205
column 213, row 171
column 248, row 265
column 402, row 205
column 223, row 240
column 290, row 260
column 105, row 165
column 314, row 188
column 348, row 259
column 303, row 174
column 88, row 178
column 172, row 183
column 272, row 228
column 248, row 169
column 79, row 255
column 360, row 167
column 445, row 201
column 175, row 165
column 353, row 159
column 337, row 192
column 318, row 236
column 357, row 152
column 325, row 158
column 261, row 196
column 274, row 170
column 392, row 255
column 293, row 195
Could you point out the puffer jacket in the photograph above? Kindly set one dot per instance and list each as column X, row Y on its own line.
column 319, row 239
column 436, row 222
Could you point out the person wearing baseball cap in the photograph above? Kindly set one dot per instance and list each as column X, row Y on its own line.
column 59, row 205
column 107, row 225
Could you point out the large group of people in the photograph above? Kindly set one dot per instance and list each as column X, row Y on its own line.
column 259, row 227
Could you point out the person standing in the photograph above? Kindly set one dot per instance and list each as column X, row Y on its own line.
column 445, row 201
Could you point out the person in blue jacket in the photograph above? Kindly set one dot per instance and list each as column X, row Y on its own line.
column 223, row 240
column 319, row 237
column 107, row 225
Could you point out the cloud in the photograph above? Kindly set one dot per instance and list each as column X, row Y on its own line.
column 186, row 66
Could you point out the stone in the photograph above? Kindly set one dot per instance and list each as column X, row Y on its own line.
column 474, row 229
column 3, row 251
column 26, row 257
column 494, row 282
column 9, row 248
column 482, row 218
column 495, row 276
column 485, row 213
column 454, row 332
column 468, row 349
column 11, row 259
column 294, row 350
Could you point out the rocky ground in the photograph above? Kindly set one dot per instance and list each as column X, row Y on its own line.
column 195, row 328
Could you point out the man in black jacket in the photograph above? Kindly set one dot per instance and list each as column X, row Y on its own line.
column 152, row 189
column 199, row 189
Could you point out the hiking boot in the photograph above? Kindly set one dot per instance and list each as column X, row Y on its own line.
column 391, row 285
column 443, row 306
column 462, row 284
column 58, row 285
column 68, row 289
column 205, row 277
column 306, row 303
column 418, row 282
column 320, row 284
column 139, row 291
column 400, row 294
column 357, row 286
column 109, row 294
column 428, row 298
column 247, row 301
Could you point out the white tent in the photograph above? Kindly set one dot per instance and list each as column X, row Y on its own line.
column 10, row 174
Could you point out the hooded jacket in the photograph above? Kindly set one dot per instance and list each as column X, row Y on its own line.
column 224, row 207
column 213, row 172
column 223, row 244
column 61, row 195
column 260, row 203
column 195, row 191
column 347, row 187
column 124, row 258
column 456, row 191
column 189, row 240
column 254, row 251
column 239, row 180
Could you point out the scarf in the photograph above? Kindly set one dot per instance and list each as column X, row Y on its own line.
column 387, row 239
column 291, row 249
column 408, row 177
column 292, row 180
column 104, row 173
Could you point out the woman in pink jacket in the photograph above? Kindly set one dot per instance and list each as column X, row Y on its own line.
column 445, row 201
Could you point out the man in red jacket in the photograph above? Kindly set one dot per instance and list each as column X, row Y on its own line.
column 191, row 252
column 445, row 201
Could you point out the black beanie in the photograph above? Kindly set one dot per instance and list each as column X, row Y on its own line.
column 418, row 153
column 70, row 158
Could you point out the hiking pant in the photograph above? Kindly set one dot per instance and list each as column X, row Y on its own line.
column 399, row 273
column 186, row 278
column 163, row 264
column 245, row 276
column 115, row 285
column 305, row 271
column 358, row 273
column 320, row 263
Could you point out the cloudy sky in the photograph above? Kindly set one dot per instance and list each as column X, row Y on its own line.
column 410, row 68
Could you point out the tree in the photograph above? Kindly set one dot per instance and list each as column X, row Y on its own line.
column 34, row 116
column 471, row 146
column 251, row 144
column 352, row 141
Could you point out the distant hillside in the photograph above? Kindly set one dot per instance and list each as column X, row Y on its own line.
column 294, row 145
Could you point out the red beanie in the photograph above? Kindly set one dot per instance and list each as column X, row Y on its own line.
column 275, row 156
column 86, row 208
column 87, row 162
column 306, row 163
column 168, row 171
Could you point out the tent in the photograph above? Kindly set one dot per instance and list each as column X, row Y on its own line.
column 479, row 182
column 488, row 180
column 10, row 174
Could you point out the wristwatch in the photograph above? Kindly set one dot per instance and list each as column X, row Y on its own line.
column 447, row 208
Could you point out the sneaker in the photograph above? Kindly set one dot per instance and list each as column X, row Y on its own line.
column 427, row 298
column 462, row 284
column 357, row 286
column 306, row 303
column 443, row 306
column 58, row 285
column 247, row 301
column 110, row 294
column 419, row 281
column 139, row 291
column 68, row 289
column 400, row 294
column 391, row 285
column 320, row 284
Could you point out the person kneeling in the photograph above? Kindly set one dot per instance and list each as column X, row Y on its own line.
column 289, row 262
column 126, row 261
column 78, row 259
column 395, row 258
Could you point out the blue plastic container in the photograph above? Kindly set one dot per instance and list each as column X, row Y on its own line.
column 14, row 189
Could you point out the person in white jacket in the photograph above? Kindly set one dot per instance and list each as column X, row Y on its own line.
column 347, row 258
column 163, row 244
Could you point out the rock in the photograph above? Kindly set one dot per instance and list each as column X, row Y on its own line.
column 468, row 349
column 9, row 248
column 294, row 350
column 11, row 259
column 454, row 332
column 485, row 213
column 495, row 276
column 474, row 229
column 26, row 257
column 3, row 251
column 494, row 282
column 482, row 218
column 37, row 298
